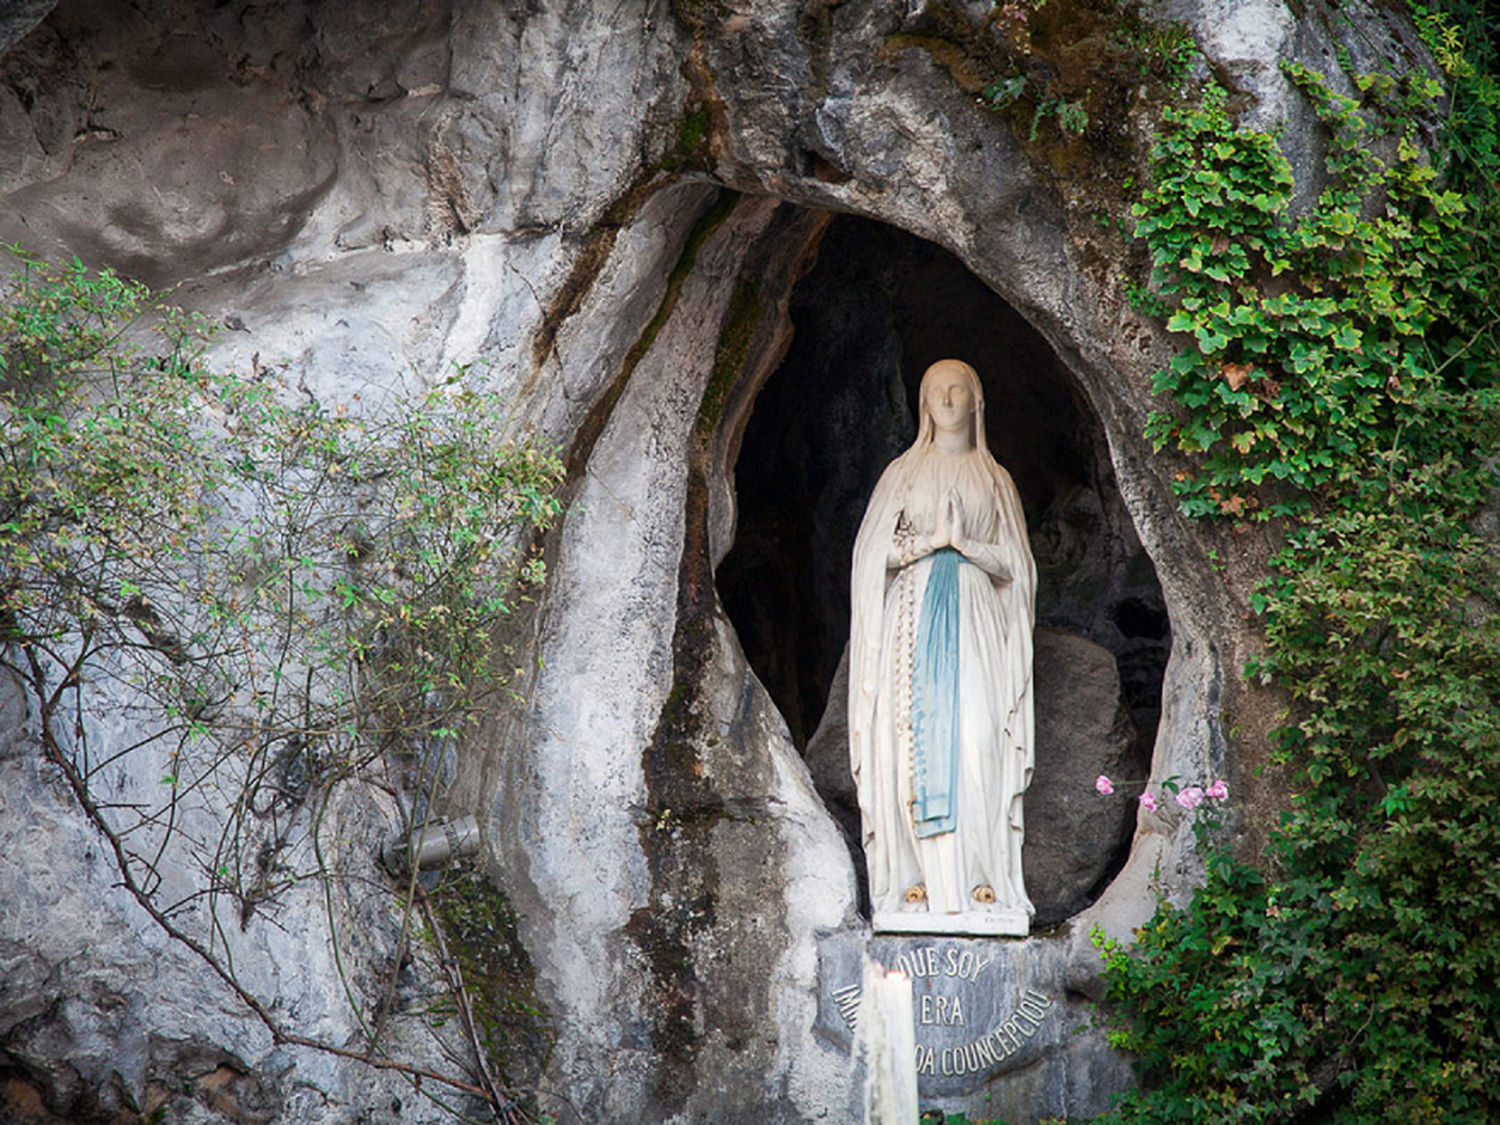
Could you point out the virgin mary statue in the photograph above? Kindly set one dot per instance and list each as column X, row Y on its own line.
column 940, row 718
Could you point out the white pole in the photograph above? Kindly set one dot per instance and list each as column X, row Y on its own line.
column 885, row 1039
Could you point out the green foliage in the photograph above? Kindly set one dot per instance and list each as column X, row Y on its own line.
column 1166, row 49
column 271, row 570
column 282, row 595
column 1313, row 338
column 84, row 487
column 1005, row 91
column 1072, row 117
column 1342, row 368
column 1023, row 83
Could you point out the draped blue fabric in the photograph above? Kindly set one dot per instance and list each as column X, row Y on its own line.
column 934, row 675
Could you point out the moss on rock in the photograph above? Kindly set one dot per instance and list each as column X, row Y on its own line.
column 510, row 1020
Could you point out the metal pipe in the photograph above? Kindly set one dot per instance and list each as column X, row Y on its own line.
column 432, row 845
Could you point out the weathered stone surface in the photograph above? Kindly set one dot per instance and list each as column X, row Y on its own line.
column 101, row 1014
column 1075, row 838
column 690, row 854
column 342, row 256
column 364, row 195
column 174, row 141
column 18, row 17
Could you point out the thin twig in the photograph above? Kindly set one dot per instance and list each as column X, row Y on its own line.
column 279, row 1034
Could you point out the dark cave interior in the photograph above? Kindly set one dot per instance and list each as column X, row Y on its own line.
column 877, row 308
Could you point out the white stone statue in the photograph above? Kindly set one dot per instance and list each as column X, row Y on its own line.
column 940, row 715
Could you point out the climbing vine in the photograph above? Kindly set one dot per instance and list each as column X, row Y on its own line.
column 1315, row 340
column 1341, row 377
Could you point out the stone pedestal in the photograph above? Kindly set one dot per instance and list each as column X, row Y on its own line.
column 988, row 923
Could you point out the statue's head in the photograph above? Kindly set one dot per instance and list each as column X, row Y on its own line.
column 951, row 399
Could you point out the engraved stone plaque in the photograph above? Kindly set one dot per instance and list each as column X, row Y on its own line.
column 979, row 1005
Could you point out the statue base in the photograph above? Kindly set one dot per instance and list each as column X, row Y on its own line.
column 978, row 923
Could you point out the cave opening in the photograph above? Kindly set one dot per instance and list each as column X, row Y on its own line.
column 877, row 307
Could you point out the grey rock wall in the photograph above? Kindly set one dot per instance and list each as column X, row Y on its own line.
column 365, row 194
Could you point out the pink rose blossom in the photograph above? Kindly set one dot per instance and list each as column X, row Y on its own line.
column 1104, row 785
column 1191, row 797
column 1148, row 801
column 1218, row 791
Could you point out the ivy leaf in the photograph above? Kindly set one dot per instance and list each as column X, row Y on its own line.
column 1209, row 341
column 1236, row 374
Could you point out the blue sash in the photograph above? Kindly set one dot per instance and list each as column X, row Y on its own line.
column 934, row 684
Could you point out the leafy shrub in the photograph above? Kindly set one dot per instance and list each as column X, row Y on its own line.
column 282, row 595
column 1343, row 371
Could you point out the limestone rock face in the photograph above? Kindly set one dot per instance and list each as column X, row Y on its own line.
column 363, row 195
column 103, row 1016
column 18, row 17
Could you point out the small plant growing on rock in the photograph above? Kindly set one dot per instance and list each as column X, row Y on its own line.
column 281, row 597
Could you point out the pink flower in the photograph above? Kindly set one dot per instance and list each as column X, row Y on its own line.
column 1191, row 797
column 1148, row 801
column 1104, row 785
column 1218, row 791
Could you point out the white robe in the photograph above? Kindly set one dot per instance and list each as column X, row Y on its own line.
column 995, row 737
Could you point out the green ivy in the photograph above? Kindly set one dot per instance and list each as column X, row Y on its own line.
column 1310, row 345
column 1340, row 377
